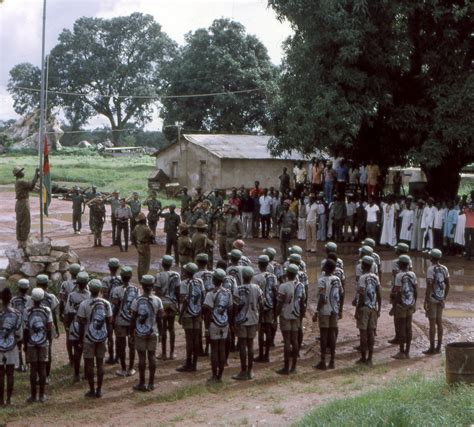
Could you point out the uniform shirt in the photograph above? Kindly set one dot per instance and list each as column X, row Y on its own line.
column 154, row 207
column 234, row 228
column 396, row 269
column 185, row 248
column 358, row 270
column 142, row 234
column 109, row 283
column 331, row 288
column 210, row 301
column 124, row 306
column 156, row 305
column 367, row 285
column 172, row 221
column 47, row 326
column 236, row 272
column 67, row 287
column 135, row 206
column 77, row 202
column 185, row 201
column 74, row 300
column 287, row 220
column 162, row 282
column 20, row 303
column 23, row 188
column 405, row 284
column 123, row 214
column 184, row 292
column 286, row 293
column 438, row 274
column 339, row 263
column 201, row 243
column 206, row 277
column 275, row 268
column 85, row 312
column 114, row 204
column 49, row 301
column 11, row 322
column 248, row 304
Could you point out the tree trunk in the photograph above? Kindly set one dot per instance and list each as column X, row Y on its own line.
column 116, row 136
column 443, row 180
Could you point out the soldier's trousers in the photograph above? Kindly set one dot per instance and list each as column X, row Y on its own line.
column 144, row 257
column 114, row 230
column 152, row 223
column 122, row 227
column 77, row 221
column 133, row 223
column 172, row 243
column 23, row 220
column 222, row 247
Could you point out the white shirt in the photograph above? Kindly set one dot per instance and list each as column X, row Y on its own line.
column 311, row 213
column 363, row 174
column 300, row 174
column 438, row 222
column 372, row 213
column 265, row 205
column 350, row 208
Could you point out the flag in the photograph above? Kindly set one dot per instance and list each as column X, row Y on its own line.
column 46, row 178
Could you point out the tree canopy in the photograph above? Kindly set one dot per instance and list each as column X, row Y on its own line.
column 221, row 58
column 389, row 80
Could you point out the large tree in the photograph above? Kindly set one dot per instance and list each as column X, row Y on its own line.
column 112, row 65
column 388, row 80
column 221, row 58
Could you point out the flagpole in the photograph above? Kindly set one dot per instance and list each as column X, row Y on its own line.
column 42, row 116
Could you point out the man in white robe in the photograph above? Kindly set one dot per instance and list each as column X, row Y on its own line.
column 407, row 217
column 427, row 222
column 389, row 233
column 417, row 234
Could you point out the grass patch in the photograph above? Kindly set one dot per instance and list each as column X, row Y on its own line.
column 126, row 174
column 178, row 394
column 278, row 410
column 416, row 401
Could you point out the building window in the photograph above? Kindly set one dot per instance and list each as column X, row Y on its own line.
column 202, row 174
column 174, row 170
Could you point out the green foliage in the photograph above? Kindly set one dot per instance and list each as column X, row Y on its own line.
column 28, row 76
column 416, row 401
column 387, row 80
column 221, row 58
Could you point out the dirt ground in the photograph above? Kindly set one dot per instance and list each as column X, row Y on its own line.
column 185, row 399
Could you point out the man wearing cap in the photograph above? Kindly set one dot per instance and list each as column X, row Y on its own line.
column 185, row 246
column 97, row 214
column 268, row 283
column 122, row 297
column 167, row 287
column 400, row 249
column 368, row 304
column 286, row 221
column 135, row 207
column 20, row 302
column 185, row 203
column 192, row 295
column 427, row 223
column 12, row 334
column 244, row 260
column 78, row 207
column 202, row 261
column 273, row 266
column 437, row 289
column 94, row 316
column 222, row 218
column 123, row 214
column 171, row 226
column 114, row 205
column 377, row 261
column 74, row 300
column 147, row 311
column 417, row 234
column 37, row 335
column 154, row 208
column 201, row 244
column 404, row 293
column 248, row 307
column 143, row 237
column 331, row 247
column 234, row 229
column 217, row 310
column 291, row 309
column 22, row 206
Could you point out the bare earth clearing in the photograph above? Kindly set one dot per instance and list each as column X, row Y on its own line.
column 185, row 399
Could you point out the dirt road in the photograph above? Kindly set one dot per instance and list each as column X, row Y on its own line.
column 185, row 399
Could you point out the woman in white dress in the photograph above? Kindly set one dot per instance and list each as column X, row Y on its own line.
column 389, row 233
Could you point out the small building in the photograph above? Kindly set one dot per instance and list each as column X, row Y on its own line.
column 223, row 161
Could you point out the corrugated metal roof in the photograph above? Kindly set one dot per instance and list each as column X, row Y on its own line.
column 251, row 147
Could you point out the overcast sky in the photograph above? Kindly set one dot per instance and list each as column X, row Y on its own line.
column 20, row 26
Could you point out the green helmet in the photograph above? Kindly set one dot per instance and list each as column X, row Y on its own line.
column 235, row 253
column 292, row 268
column 330, row 247
column 263, row 259
column 167, row 260
column 404, row 259
column 270, row 252
column 295, row 249
column 147, row 280
column 247, row 272
column 42, row 279
column 367, row 260
column 202, row 257
column 219, row 274
column 95, row 285
column 403, row 248
column 366, row 250
column 126, row 271
column 114, row 263
column 191, row 268
column 436, row 254
column 82, row 277
column 369, row 242
column 74, row 269
column 294, row 258
column 23, row 283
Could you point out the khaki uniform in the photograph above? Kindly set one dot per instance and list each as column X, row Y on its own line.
column 97, row 219
column 22, row 208
column 287, row 223
column 114, row 204
column 135, row 207
column 234, row 230
column 172, row 221
column 201, row 244
column 185, row 250
column 143, row 237
column 153, row 216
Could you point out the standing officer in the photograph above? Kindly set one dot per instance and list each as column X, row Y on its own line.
column 185, row 247
column 136, row 207
column 78, row 207
column 201, row 244
column 123, row 214
column 172, row 222
column 114, row 204
column 154, row 207
column 22, row 206
column 286, row 221
column 143, row 237
column 185, row 203
column 234, row 228
column 97, row 219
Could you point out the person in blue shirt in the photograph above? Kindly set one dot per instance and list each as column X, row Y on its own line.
column 450, row 222
column 342, row 176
